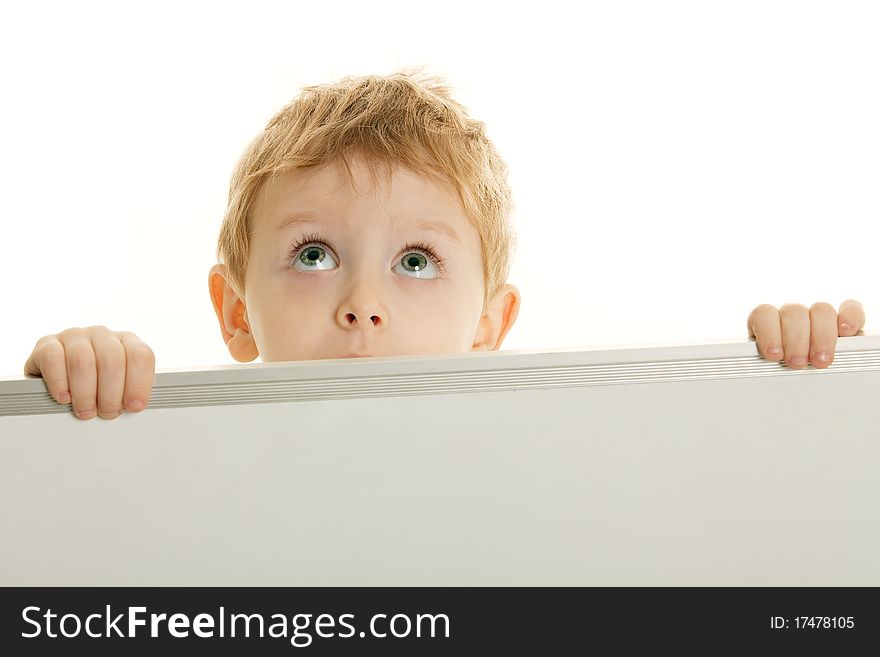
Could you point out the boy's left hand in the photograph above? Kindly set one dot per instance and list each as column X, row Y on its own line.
column 799, row 335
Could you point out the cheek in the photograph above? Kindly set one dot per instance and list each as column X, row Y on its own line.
column 425, row 295
column 288, row 301
column 449, row 304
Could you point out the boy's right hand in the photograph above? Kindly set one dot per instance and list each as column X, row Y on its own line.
column 96, row 368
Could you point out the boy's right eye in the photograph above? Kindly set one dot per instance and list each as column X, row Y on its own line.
column 312, row 258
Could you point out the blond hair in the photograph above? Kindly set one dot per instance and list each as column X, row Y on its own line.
column 404, row 119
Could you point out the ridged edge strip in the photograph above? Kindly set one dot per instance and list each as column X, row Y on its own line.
column 454, row 373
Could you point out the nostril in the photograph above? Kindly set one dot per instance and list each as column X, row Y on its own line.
column 352, row 318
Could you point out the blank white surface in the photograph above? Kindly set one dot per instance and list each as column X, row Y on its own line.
column 766, row 480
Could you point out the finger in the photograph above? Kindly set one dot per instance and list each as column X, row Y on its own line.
column 823, row 334
column 110, row 360
column 765, row 327
column 795, row 320
column 82, row 377
column 141, row 366
column 47, row 360
column 851, row 318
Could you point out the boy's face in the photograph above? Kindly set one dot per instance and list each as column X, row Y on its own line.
column 353, row 286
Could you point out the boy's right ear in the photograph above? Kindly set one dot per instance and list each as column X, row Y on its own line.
column 232, row 316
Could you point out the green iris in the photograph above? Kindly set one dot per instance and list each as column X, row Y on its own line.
column 416, row 261
column 314, row 255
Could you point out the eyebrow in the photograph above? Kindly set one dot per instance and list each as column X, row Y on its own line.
column 309, row 217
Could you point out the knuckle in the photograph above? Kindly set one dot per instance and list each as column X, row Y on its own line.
column 72, row 332
column 112, row 363
column 763, row 309
column 822, row 307
column 49, row 347
column 795, row 340
column 141, row 354
column 789, row 310
column 47, row 340
column 81, row 360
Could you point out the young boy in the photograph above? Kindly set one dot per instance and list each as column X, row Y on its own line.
column 369, row 218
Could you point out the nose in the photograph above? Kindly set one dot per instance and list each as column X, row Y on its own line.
column 362, row 309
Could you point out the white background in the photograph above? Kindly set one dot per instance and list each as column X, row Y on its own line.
column 674, row 164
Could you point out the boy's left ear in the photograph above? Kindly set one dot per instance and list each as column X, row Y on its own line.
column 497, row 320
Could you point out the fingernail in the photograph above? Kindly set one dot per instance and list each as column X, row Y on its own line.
column 845, row 327
column 85, row 414
column 822, row 356
column 64, row 397
column 798, row 360
column 135, row 405
column 774, row 351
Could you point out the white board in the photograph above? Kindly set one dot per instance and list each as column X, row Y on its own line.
column 661, row 465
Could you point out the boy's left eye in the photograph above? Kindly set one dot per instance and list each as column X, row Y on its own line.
column 416, row 263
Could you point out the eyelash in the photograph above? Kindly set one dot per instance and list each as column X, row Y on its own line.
column 412, row 246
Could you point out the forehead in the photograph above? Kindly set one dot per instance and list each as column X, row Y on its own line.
column 318, row 194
